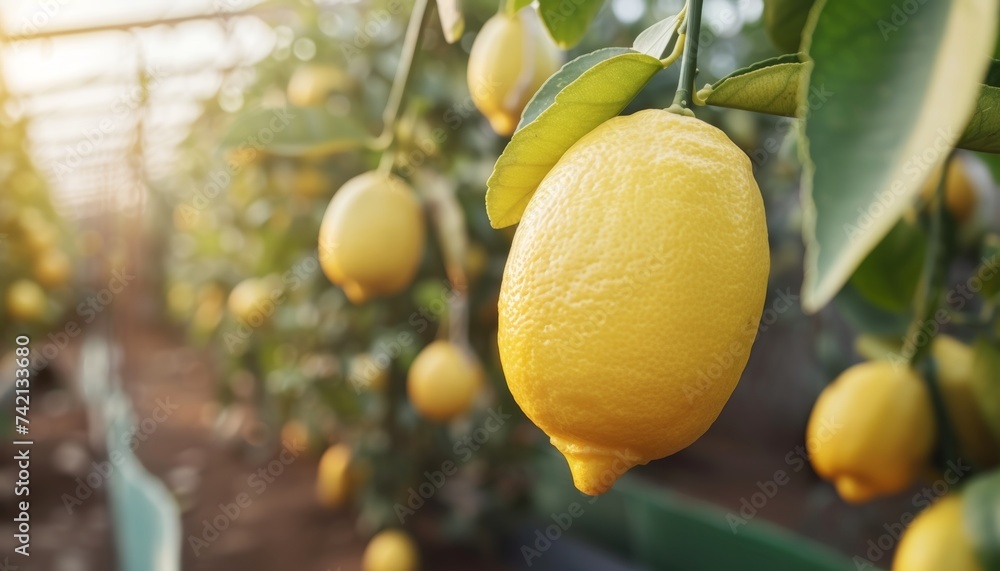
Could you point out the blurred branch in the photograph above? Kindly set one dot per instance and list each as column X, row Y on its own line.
column 929, row 296
column 453, row 238
column 935, row 269
column 419, row 21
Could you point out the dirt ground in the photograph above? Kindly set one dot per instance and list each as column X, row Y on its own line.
column 283, row 528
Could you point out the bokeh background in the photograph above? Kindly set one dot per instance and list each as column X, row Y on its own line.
column 124, row 228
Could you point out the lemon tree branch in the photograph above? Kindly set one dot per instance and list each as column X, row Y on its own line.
column 419, row 20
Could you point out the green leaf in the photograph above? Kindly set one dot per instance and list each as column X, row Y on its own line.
column 653, row 41
column 583, row 94
column 896, row 100
column 888, row 277
column 568, row 21
column 769, row 86
column 986, row 383
column 545, row 97
column 981, row 518
column 452, row 20
column 983, row 131
column 772, row 86
column 512, row 6
column 784, row 21
column 294, row 132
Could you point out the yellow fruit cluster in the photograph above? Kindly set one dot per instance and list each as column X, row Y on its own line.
column 872, row 433
column 30, row 241
column 872, row 430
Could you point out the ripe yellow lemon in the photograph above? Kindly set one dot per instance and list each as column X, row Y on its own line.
column 391, row 550
column 443, row 381
column 633, row 292
column 954, row 367
column 959, row 191
column 336, row 478
column 510, row 59
column 53, row 268
column 372, row 237
column 25, row 300
column 937, row 540
column 872, row 430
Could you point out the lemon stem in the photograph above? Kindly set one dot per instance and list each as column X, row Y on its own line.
column 419, row 19
column 689, row 59
column 930, row 292
column 933, row 275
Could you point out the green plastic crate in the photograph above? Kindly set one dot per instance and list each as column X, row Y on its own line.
column 659, row 529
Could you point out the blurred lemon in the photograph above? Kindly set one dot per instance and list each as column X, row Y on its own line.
column 185, row 218
column 180, row 298
column 25, row 300
column 365, row 372
column 242, row 157
column 477, row 260
column 872, row 430
column 959, row 191
column 954, row 361
column 311, row 84
column 295, row 435
column 336, row 478
column 632, row 292
column 250, row 299
column 937, row 540
column 310, row 182
column 211, row 300
column 371, row 240
column 443, row 381
column 510, row 59
column 391, row 550
column 38, row 233
column 53, row 268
